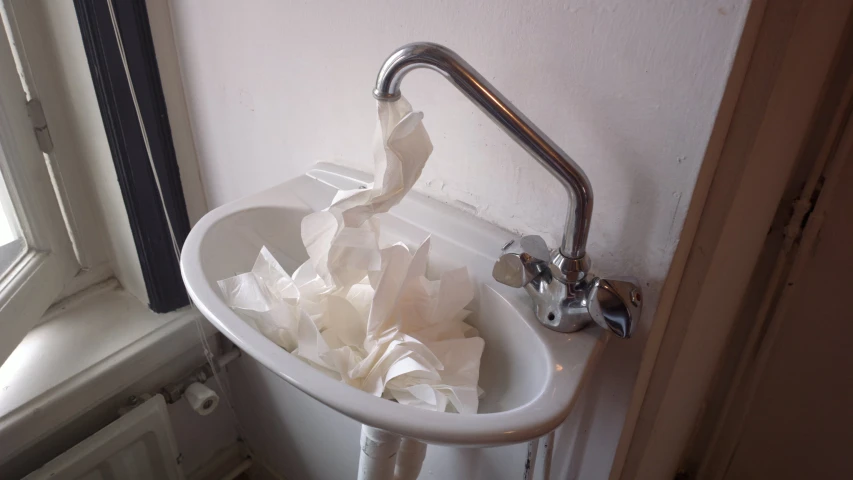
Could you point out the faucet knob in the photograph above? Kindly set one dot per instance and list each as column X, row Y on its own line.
column 615, row 304
column 522, row 262
column 535, row 246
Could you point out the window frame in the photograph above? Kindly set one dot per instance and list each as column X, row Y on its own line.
column 122, row 60
column 40, row 69
column 68, row 251
column 48, row 264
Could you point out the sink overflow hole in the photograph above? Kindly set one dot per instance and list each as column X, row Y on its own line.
column 550, row 315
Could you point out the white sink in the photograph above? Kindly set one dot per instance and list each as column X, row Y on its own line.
column 531, row 375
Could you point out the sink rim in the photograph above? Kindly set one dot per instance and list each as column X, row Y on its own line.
column 570, row 355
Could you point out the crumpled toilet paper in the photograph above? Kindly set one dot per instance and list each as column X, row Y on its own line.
column 364, row 313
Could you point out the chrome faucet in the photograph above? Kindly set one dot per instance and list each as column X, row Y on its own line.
column 566, row 296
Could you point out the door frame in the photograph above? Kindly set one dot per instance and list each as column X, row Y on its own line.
column 719, row 432
column 753, row 169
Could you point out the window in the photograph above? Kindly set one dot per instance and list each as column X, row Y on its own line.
column 93, row 66
column 36, row 255
column 12, row 243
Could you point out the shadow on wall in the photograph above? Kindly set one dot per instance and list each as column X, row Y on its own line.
column 300, row 438
column 631, row 216
column 574, row 435
column 588, row 438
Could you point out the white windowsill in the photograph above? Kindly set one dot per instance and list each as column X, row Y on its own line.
column 91, row 347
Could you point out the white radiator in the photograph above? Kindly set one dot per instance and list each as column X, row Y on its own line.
column 138, row 446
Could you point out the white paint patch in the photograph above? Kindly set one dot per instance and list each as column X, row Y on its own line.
column 629, row 89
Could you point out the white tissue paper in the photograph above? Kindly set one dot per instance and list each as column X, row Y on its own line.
column 366, row 313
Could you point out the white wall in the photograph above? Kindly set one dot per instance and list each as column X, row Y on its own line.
column 629, row 89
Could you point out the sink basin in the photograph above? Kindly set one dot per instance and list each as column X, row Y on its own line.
column 531, row 375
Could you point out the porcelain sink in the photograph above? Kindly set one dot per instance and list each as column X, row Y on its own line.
column 531, row 375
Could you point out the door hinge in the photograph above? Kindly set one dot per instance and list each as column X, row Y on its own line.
column 39, row 122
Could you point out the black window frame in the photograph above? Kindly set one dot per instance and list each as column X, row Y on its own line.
column 152, row 220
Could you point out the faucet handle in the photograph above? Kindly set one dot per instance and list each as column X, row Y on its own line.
column 616, row 304
column 535, row 246
column 522, row 262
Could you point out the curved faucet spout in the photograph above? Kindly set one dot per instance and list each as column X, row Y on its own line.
column 496, row 106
